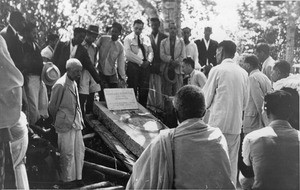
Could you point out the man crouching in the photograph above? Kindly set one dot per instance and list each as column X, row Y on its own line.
column 65, row 109
column 191, row 156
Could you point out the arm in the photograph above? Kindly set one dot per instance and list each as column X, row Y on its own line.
column 246, row 151
column 55, row 100
column 121, row 65
column 56, row 53
column 257, row 95
column 163, row 55
column 150, row 54
column 195, row 57
column 210, row 87
column 88, row 65
column 130, row 56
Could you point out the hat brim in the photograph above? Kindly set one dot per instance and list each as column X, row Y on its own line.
column 43, row 75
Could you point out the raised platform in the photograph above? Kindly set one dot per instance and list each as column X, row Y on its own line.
column 135, row 129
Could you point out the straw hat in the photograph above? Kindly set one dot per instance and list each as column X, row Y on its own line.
column 169, row 74
column 50, row 73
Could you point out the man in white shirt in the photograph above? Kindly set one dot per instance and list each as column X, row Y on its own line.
column 194, row 77
column 139, row 55
column 226, row 97
column 263, row 54
column 190, row 47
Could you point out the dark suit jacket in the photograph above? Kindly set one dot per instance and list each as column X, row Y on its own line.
column 14, row 46
column 209, row 54
column 155, row 67
column 62, row 54
column 33, row 60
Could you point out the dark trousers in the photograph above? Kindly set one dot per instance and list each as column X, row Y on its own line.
column 138, row 79
column 107, row 82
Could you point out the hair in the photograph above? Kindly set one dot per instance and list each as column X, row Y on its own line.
column 294, row 119
column 252, row 60
column 15, row 17
column 263, row 47
column 79, row 30
column 229, row 47
column 29, row 26
column 189, row 61
column 138, row 21
column 73, row 62
column 186, row 28
column 189, row 102
column 208, row 29
column 154, row 19
column 117, row 26
column 279, row 103
column 283, row 66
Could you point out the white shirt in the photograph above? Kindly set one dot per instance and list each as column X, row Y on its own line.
column 197, row 78
column 192, row 51
column 267, row 66
column 226, row 96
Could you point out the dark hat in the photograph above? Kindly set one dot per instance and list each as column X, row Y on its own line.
column 79, row 30
column 93, row 29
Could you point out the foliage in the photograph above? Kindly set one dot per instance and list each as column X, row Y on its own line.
column 264, row 21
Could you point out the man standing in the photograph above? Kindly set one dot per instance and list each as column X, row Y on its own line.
column 111, row 64
column 139, row 55
column 259, row 85
column 226, row 96
column 194, row 77
column 172, row 52
column 190, row 47
column 47, row 52
column 155, row 100
column 207, row 48
column 12, row 35
column 273, row 151
column 263, row 54
column 74, row 49
column 65, row 109
column 88, row 86
column 192, row 156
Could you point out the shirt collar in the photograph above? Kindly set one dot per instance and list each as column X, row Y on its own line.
column 254, row 71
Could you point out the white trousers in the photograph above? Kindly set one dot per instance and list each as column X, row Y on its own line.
column 71, row 148
column 36, row 93
column 18, row 151
column 233, row 143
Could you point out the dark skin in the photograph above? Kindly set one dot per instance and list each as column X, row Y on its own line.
column 78, row 38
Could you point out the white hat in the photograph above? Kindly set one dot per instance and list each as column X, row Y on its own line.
column 50, row 73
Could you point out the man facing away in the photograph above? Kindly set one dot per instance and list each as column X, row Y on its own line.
column 191, row 156
column 259, row 86
column 273, row 151
column 190, row 47
column 139, row 55
column 65, row 109
column 263, row 54
column 194, row 77
column 111, row 59
column 155, row 99
column 226, row 97
column 207, row 48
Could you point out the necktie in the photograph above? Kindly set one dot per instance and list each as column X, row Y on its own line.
column 142, row 48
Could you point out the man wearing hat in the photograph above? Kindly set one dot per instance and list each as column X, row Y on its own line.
column 50, row 74
column 207, row 48
column 87, row 85
column 74, row 49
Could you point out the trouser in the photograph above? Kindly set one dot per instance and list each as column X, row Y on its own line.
column 155, row 97
column 138, row 79
column 37, row 99
column 71, row 148
column 18, row 149
column 107, row 82
column 233, row 143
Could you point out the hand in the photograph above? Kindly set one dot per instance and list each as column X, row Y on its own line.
column 122, row 83
column 145, row 64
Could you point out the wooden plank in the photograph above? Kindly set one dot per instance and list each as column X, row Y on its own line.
column 128, row 128
column 112, row 142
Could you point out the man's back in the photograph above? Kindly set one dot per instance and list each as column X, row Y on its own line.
column 226, row 94
column 274, row 153
column 200, row 157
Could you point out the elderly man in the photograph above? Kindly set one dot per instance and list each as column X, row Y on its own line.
column 139, row 55
column 65, row 109
column 259, row 86
column 263, row 54
column 273, row 151
column 191, row 156
column 226, row 96
column 13, row 124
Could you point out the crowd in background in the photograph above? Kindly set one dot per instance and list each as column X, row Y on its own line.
column 251, row 99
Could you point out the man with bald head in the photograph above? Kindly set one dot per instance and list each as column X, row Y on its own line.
column 64, row 107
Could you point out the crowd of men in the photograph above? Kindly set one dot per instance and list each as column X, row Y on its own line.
column 218, row 99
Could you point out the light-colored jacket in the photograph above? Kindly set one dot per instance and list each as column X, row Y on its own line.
column 63, row 106
column 267, row 66
column 259, row 85
column 226, row 96
column 179, row 52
